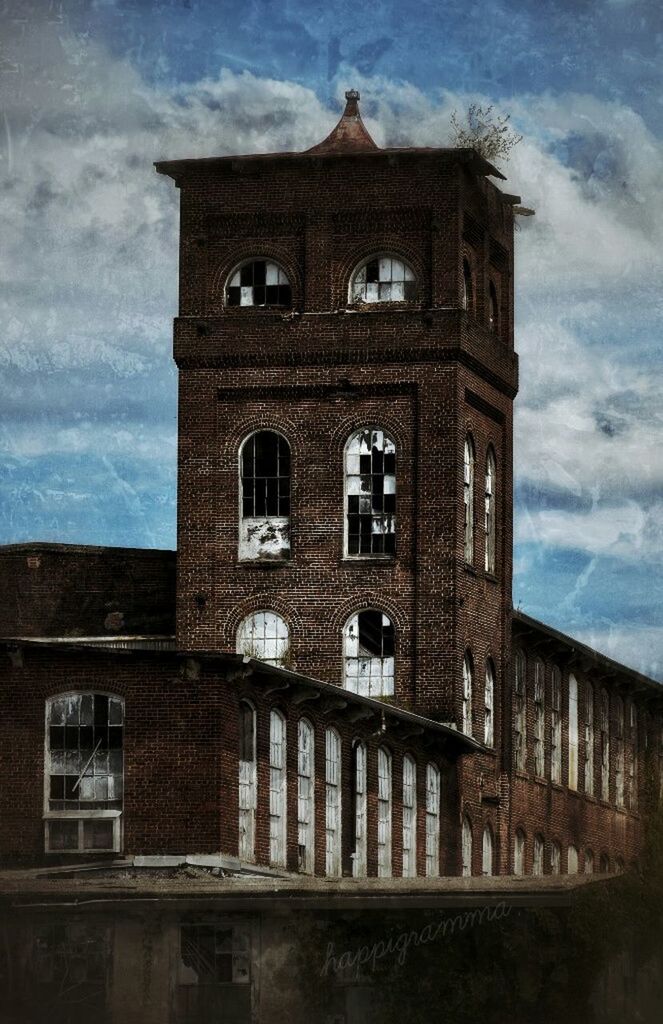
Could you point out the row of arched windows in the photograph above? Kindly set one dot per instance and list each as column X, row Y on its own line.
column 467, row 849
column 546, row 858
column 489, row 524
column 467, row 713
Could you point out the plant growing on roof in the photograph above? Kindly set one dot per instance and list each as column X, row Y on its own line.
column 480, row 128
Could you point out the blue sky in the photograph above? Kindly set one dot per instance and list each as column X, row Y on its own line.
column 92, row 91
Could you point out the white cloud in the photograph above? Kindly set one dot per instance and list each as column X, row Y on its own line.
column 624, row 531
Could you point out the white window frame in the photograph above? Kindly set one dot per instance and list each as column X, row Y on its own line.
column 248, row 792
column 352, row 473
column 489, row 706
column 555, row 858
column 633, row 756
column 538, row 857
column 469, row 461
column 519, row 843
column 277, row 789
column 539, row 718
column 333, row 767
column 620, row 754
column 432, row 820
column 589, row 738
column 409, row 816
column 373, row 298
column 384, row 813
column 556, row 724
column 369, row 675
column 468, row 686
column 572, row 860
column 305, row 796
column 605, row 745
column 588, row 868
column 489, row 513
column 487, row 852
column 264, row 632
column 466, row 845
column 520, row 711
column 360, row 855
column 573, row 732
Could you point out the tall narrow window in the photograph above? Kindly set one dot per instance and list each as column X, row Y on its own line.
column 519, row 712
column 264, row 635
column 589, row 862
column 572, row 860
column 383, row 278
column 361, row 839
column 539, row 719
column 519, row 853
column 589, row 738
column 487, row 851
column 370, row 487
column 369, row 654
column 493, row 309
column 555, row 858
column 573, row 732
column 468, row 291
column 248, row 780
column 468, row 500
column 384, row 813
column 604, row 864
column 467, row 693
column 432, row 820
column 277, row 789
column 466, row 847
column 305, row 796
column 489, row 702
column 556, row 725
column 537, row 860
column 333, row 803
column 633, row 757
column 620, row 758
column 265, row 479
column 84, row 773
column 409, row 817
column 258, row 283
column 489, row 513
column 605, row 745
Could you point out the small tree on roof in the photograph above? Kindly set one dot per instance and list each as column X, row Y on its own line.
column 482, row 129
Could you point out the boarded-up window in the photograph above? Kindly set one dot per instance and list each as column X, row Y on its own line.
column 539, row 718
column 264, row 635
column 383, row 278
column 573, row 732
column 519, row 712
column 466, row 848
column 489, row 512
column 487, row 851
column 277, row 789
column 589, row 738
column 370, row 487
column 537, row 859
column 468, row 686
column 369, row 654
column 468, row 500
column 265, row 495
column 305, row 796
column 259, row 283
column 605, row 745
column 432, row 820
column 332, row 803
column 489, row 702
column 409, row 817
column 384, row 813
column 361, row 838
column 247, row 781
column 556, row 725
column 519, row 853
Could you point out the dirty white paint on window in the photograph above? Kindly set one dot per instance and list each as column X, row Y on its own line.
column 519, row 712
column 264, row 635
column 555, row 858
column 409, row 817
column 248, row 781
column 487, row 851
column 573, row 732
column 537, row 860
column 519, row 853
column 277, row 789
column 489, row 701
column 259, row 283
column 432, row 820
column 383, row 278
column 370, row 494
column 466, row 848
column 369, row 654
column 264, row 525
column 539, row 719
column 605, row 745
column 384, row 813
column 633, row 758
column 620, row 758
column 589, row 738
column 468, row 500
column 556, row 725
column 333, row 803
column 467, row 694
column 84, row 779
column 572, row 860
column 489, row 513
column 589, row 862
column 361, row 843
column 305, row 796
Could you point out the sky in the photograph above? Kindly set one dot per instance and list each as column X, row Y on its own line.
column 93, row 91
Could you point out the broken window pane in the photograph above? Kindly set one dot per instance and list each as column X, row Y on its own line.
column 264, row 635
column 371, row 493
column 369, row 654
column 383, row 278
column 259, row 283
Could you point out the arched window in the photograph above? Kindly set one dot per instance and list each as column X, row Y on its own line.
column 432, row 820
column 468, row 290
column 84, row 773
column 259, row 283
column 539, row 718
column 556, row 724
column 620, row 865
column 572, row 860
column 468, row 500
column 589, row 862
column 467, row 693
column 265, row 490
column 604, row 864
column 370, row 488
column 248, row 780
column 369, row 654
column 383, row 278
column 489, row 702
column 519, row 712
column 489, row 515
column 409, row 817
column 361, row 847
column 264, row 635
column 573, row 732
column 605, row 745
column 589, row 738
column 555, row 858
column 305, row 796
column 277, row 789
column 537, row 859
column 466, row 847
column 493, row 309
column 333, row 803
column 384, row 813
column 519, row 853
column 620, row 759
column 487, row 867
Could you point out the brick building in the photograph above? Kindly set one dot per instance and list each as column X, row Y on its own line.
column 335, row 684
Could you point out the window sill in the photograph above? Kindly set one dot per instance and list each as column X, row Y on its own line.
column 470, row 570
column 263, row 563
column 521, row 774
column 492, row 578
column 377, row 559
column 540, row 780
column 558, row 786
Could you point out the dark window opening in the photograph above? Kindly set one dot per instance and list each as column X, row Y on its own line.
column 371, row 494
column 259, row 283
column 265, row 475
column 468, row 296
column 85, row 765
column 493, row 312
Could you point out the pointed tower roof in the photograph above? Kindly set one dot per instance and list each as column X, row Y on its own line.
column 350, row 134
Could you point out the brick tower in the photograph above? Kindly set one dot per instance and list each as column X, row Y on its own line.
column 346, row 379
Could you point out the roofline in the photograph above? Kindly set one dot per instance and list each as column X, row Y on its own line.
column 588, row 652
column 48, row 545
column 252, row 666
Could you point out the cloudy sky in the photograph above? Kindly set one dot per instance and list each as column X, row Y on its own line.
column 93, row 91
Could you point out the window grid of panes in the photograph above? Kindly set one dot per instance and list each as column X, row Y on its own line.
column 383, row 279
column 259, row 283
column 371, row 493
column 265, row 475
column 85, row 766
column 369, row 654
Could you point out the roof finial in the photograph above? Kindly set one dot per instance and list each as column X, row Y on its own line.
column 349, row 135
column 352, row 103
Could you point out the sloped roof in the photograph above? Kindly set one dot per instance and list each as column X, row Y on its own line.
column 350, row 134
